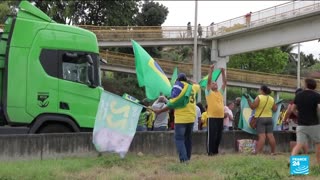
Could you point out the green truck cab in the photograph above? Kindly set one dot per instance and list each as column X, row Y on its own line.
column 49, row 75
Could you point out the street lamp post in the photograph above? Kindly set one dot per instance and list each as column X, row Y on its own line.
column 298, row 67
column 195, row 42
column 196, row 61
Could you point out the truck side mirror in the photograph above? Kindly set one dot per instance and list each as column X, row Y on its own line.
column 90, row 71
column 91, row 76
column 89, row 59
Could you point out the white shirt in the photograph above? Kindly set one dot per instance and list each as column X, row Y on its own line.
column 226, row 121
column 162, row 118
column 198, row 115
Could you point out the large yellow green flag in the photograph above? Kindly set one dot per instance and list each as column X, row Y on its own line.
column 150, row 74
column 246, row 114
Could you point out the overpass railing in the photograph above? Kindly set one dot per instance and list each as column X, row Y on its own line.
column 265, row 16
column 116, row 33
column 236, row 75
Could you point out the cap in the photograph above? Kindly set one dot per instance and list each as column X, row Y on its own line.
column 182, row 77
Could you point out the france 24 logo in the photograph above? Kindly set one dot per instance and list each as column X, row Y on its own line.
column 299, row 165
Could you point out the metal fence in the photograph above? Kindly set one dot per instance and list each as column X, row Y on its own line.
column 259, row 18
column 265, row 16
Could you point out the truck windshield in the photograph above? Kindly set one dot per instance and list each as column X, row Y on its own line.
column 75, row 68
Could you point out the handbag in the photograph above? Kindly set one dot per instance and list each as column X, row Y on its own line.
column 253, row 122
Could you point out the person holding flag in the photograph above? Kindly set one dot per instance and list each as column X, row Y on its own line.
column 215, row 112
column 183, row 101
column 263, row 105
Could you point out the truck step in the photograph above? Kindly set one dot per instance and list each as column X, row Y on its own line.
column 13, row 130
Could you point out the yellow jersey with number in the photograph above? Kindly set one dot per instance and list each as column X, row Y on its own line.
column 187, row 114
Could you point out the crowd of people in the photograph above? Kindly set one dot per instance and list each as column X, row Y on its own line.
column 216, row 116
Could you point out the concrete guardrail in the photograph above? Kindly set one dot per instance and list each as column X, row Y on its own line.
column 46, row 146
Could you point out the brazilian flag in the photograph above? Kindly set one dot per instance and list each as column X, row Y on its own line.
column 180, row 98
column 150, row 74
column 246, row 114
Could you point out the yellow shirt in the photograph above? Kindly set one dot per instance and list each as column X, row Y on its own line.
column 215, row 104
column 151, row 118
column 204, row 119
column 267, row 111
column 187, row 114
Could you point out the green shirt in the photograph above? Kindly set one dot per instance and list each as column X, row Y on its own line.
column 143, row 119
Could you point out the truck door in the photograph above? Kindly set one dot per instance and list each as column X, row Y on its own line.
column 78, row 95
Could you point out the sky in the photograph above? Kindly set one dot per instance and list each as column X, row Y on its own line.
column 181, row 12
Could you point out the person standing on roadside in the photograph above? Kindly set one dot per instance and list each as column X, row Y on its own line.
column 215, row 112
column 263, row 105
column 228, row 117
column 236, row 113
column 184, row 114
column 161, row 120
column 306, row 103
column 291, row 118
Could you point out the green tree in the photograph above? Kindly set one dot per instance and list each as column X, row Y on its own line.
column 4, row 11
column 98, row 12
column 291, row 67
column 152, row 14
column 179, row 53
column 206, row 55
column 110, row 13
column 124, row 83
column 307, row 60
column 62, row 11
column 7, row 8
column 289, row 49
column 271, row 60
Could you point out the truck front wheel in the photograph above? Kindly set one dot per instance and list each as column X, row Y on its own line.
column 54, row 128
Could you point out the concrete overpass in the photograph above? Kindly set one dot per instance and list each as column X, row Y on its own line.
column 303, row 25
column 288, row 23
column 284, row 24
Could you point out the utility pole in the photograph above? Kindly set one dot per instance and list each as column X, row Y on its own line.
column 195, row 43
column 298, row 68
column 196, row 64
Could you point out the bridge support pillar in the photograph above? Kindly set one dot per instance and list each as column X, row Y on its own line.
column 214, row 51
column 276, row 95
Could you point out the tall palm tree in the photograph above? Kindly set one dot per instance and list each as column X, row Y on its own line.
column 289, row 49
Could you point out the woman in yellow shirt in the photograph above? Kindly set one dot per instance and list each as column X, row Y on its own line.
column 264, row 105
